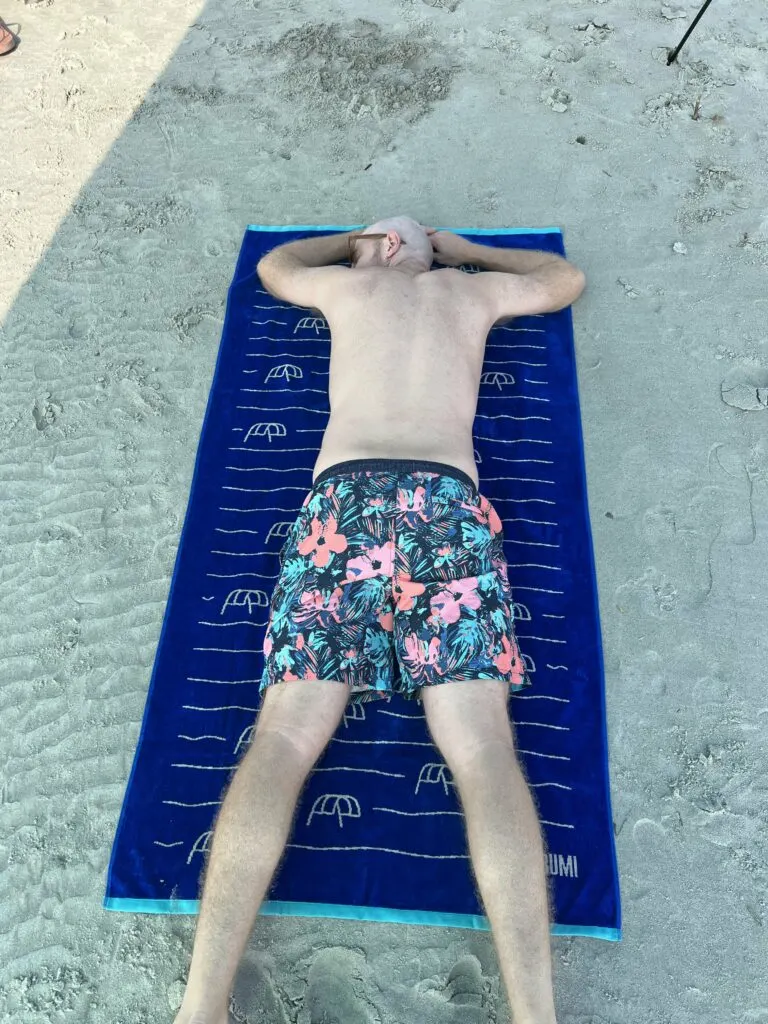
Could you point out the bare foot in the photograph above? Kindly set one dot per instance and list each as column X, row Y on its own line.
column 8, row 41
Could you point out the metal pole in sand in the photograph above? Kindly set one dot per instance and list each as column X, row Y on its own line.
column 673, row 55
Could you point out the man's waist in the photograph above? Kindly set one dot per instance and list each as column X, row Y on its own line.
column 346, row 449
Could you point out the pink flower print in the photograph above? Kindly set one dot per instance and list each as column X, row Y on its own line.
column 510, row 661
column 405, row 590
column 434, row 651
column 414, row 510
column 333, row 603
column 501, row 567
column 312, row 601
column 299, row 641
column 486, row 514
column 493, row 519
column 447, row 604
column 418, row 500
column 378, row 560
column 505, row 660
column 349, row 657
column 322, row 540
column 387, row 621
column 418, row 653
column 268, row 645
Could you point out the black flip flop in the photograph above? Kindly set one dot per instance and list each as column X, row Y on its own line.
column 14, row 37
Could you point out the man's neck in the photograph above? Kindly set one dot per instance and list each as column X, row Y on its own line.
column 409, row 269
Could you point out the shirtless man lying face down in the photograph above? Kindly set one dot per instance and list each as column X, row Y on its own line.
column 407, row 346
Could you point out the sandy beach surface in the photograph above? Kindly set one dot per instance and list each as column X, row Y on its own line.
column 138, row 142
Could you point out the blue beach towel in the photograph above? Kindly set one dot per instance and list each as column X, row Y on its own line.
column 379, row 834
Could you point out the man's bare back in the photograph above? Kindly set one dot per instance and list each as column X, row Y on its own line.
column 407, row 342
column 406, row 356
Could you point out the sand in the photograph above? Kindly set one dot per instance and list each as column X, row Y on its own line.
column 138, row 142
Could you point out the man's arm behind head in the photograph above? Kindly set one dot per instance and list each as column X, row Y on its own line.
column 523, row 282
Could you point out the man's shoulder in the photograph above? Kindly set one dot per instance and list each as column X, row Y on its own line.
column 445, row 284
column 465, row 287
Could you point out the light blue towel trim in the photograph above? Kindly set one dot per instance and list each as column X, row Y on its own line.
column 475, row 922
column 357, row 227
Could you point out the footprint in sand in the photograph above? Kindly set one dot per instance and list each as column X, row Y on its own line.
column 746, row 387
column 734, row 471
column 330, row 997
column 254, row 996
column 464, row 988
column 465, row 983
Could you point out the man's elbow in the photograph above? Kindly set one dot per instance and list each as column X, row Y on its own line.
column 577, row 283
column 263, row 265
column 274, row 258
column 266, row 268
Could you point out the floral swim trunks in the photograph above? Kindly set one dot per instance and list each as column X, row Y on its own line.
column 393, row 564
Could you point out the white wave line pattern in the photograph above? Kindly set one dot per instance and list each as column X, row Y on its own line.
column 195, row 739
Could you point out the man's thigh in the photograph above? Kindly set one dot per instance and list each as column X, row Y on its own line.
column 463, row 717
column 305, row 711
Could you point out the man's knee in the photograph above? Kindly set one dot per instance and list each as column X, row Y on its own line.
column 468, row 721
column 304, row 713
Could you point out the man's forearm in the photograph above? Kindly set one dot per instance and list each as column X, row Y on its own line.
column 319, row 251
column 510, row 261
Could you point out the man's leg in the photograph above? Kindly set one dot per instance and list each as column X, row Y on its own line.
column 469, row 723
column 295, row 724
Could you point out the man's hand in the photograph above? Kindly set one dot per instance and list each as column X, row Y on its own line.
column 449, row 249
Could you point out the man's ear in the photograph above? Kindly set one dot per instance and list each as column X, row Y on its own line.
column 392, row 246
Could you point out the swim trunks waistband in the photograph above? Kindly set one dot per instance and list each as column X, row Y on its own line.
column 402, row 467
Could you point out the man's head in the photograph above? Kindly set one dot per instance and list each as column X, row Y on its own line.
column 404, row 246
